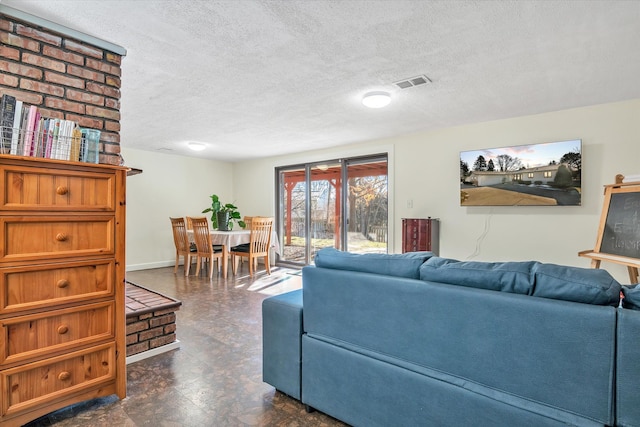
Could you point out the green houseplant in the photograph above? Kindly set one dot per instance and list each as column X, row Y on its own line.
column 223, row 215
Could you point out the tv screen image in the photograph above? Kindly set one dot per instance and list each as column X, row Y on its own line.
column 545, row 174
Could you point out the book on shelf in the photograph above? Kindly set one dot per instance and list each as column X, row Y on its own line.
column 49, row 137
column 38, row 148
column 7, row 114
column 64, row 140
column 76, row 137
column 15, row 137
column 28, row 131
column 55, row 145
column 90, row 145
column 23, row 126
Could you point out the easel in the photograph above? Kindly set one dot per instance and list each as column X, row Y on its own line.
column 619, row 230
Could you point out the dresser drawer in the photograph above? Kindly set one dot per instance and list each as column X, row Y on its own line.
column 40, row 334
column 30, row 386
column 31, row 287
column 26, row 188
column 41, row 238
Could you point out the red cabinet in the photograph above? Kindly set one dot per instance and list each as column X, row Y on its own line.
column 420, row 234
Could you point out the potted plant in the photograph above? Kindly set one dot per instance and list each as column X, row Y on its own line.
column 223, row 215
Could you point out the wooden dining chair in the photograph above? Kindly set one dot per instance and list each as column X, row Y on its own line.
column 258, row 247
column 192, row 244
column 183, row 248
column 205, row 251
column 247, row 226
column 247, row 222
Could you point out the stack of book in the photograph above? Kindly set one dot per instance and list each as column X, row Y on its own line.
column 25, row 132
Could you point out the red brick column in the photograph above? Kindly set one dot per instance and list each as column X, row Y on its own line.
column 65, row 78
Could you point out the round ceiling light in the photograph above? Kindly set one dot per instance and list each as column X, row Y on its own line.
column 376, row 99
column 196, row 146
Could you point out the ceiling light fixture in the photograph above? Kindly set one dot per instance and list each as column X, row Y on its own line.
column 196, row 146
column 376, row 99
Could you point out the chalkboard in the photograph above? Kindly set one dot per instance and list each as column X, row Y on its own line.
column 621, row 234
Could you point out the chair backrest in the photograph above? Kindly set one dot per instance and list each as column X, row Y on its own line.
column 180, row 237
column 247, row 222
column 189, row 223
column 201, row 235
column 260, row 234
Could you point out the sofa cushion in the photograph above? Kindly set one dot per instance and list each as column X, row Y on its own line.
column 631, row 297
column 585, row 285
column 514, row 277
column 402, row 265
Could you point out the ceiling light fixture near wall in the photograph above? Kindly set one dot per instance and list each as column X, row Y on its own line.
column 196, row 146
column 377, row 99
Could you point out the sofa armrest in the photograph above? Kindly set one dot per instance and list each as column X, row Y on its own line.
column 281, row 342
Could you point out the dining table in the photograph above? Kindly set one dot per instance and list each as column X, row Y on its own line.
column 231, row 238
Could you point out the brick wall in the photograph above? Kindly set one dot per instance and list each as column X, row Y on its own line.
column 150, row 330
column 65, row 78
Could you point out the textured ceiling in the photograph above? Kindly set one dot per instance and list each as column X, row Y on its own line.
column 256, row 78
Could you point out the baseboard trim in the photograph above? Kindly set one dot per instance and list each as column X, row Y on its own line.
column 153, row 352
column 150, row 265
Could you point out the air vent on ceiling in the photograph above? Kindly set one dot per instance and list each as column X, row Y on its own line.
column 413, row 81
column 164, row 149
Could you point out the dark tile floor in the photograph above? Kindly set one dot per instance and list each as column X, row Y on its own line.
column 215, row 378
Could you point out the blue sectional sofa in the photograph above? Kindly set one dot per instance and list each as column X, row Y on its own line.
column 412, row 339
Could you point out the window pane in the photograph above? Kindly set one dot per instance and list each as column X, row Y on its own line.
column 325, row 206
column 293, row 189
column 367, row 207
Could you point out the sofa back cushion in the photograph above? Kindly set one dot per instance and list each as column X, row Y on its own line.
column 585, row 285
column 400, row 265
column 514, row 277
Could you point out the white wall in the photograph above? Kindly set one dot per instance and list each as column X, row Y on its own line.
column 423, row 167
column 169, row 186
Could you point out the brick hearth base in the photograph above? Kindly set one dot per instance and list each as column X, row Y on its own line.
column 151, row 327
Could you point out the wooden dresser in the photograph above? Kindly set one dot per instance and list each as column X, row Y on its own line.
column 62, row 263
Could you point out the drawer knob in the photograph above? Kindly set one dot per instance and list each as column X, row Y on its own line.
column 62, row 190
column 62, row 283
column 61, row 237
column 64, row 375
column 63, row 329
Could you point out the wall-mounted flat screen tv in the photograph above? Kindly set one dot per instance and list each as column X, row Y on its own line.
column 546, row 174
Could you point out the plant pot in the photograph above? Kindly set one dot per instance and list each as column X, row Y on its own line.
column 223, row 220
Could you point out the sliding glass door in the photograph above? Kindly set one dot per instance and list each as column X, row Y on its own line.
column 336, row 203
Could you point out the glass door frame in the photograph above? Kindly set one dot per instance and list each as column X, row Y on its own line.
column 344, row 218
